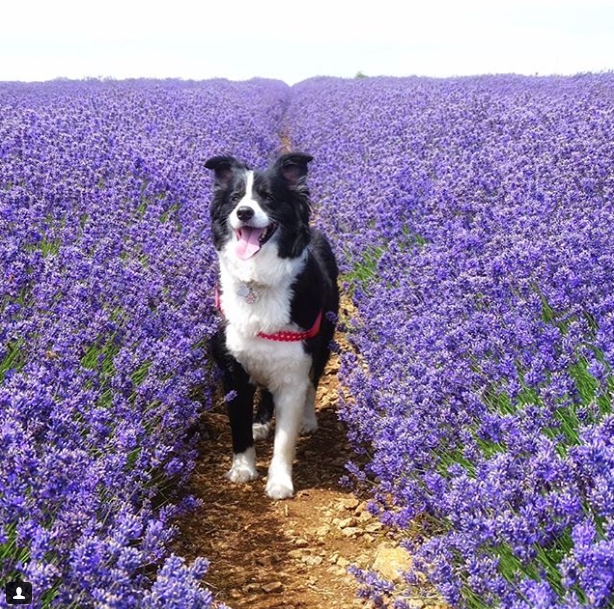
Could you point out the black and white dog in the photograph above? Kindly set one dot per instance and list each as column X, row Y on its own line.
column 279, row 298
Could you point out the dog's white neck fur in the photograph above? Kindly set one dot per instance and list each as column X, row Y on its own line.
column 268, row 279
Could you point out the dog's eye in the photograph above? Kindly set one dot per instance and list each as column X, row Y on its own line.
column 235, row 197
column 265, row 194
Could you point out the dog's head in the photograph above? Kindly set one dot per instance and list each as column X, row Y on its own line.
column 253, row 210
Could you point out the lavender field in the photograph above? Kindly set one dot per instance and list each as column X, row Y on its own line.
column 107, row 277
column 473, row 221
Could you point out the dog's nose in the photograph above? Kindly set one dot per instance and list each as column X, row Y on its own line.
column 245, row 213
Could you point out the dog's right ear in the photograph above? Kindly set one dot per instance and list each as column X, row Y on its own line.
column 223, row 166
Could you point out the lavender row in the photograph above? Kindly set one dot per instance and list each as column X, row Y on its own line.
column 474, row 220
column 105, row 308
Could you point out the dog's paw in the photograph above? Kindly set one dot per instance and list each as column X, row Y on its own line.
column 243, row 467
column 280, row 489
column 241, row 474
column 261, row 431
column 309, row 426
column 279, row 484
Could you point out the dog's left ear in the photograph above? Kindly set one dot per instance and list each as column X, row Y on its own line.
column 223, row 167
column 293, row 166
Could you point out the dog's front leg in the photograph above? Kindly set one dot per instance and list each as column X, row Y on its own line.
column 239, row 403
column 240, row 413
column 289, row 407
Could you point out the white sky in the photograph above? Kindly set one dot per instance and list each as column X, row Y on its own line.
column 293, row 40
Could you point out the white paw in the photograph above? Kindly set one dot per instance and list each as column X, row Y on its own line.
column 279, row 489
column 241, row 474
column 261, row 431
column 309, row 426
column 243, row 467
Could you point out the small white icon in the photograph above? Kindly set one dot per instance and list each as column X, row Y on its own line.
column 18, row 596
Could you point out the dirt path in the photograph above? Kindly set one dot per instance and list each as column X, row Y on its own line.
column 291, row 554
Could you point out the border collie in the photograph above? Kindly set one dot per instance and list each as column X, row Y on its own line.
column 279, row 299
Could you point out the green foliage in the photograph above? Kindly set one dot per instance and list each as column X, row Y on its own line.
column 365, row 269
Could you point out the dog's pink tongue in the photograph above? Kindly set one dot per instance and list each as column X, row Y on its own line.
column 249, row 241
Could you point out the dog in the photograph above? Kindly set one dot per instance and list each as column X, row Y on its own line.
column 278, row 296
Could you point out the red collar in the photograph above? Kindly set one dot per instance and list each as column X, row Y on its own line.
column 282, row 335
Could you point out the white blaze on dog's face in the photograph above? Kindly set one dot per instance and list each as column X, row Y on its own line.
column 251, row 225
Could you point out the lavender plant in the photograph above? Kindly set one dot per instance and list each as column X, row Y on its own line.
column 474, row 217
column 105, row 309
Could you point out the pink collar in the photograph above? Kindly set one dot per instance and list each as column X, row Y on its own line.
column 282, row 335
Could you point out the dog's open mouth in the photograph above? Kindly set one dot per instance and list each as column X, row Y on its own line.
column 250, row 239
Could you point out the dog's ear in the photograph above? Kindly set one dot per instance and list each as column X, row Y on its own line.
column 223, row 166
column 293, row 166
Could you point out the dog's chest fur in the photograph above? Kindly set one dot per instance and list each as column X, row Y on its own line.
column 251, row 304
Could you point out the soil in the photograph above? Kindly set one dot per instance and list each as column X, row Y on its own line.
column 291, row 554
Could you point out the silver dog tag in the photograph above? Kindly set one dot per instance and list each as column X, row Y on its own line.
column 248, row 293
